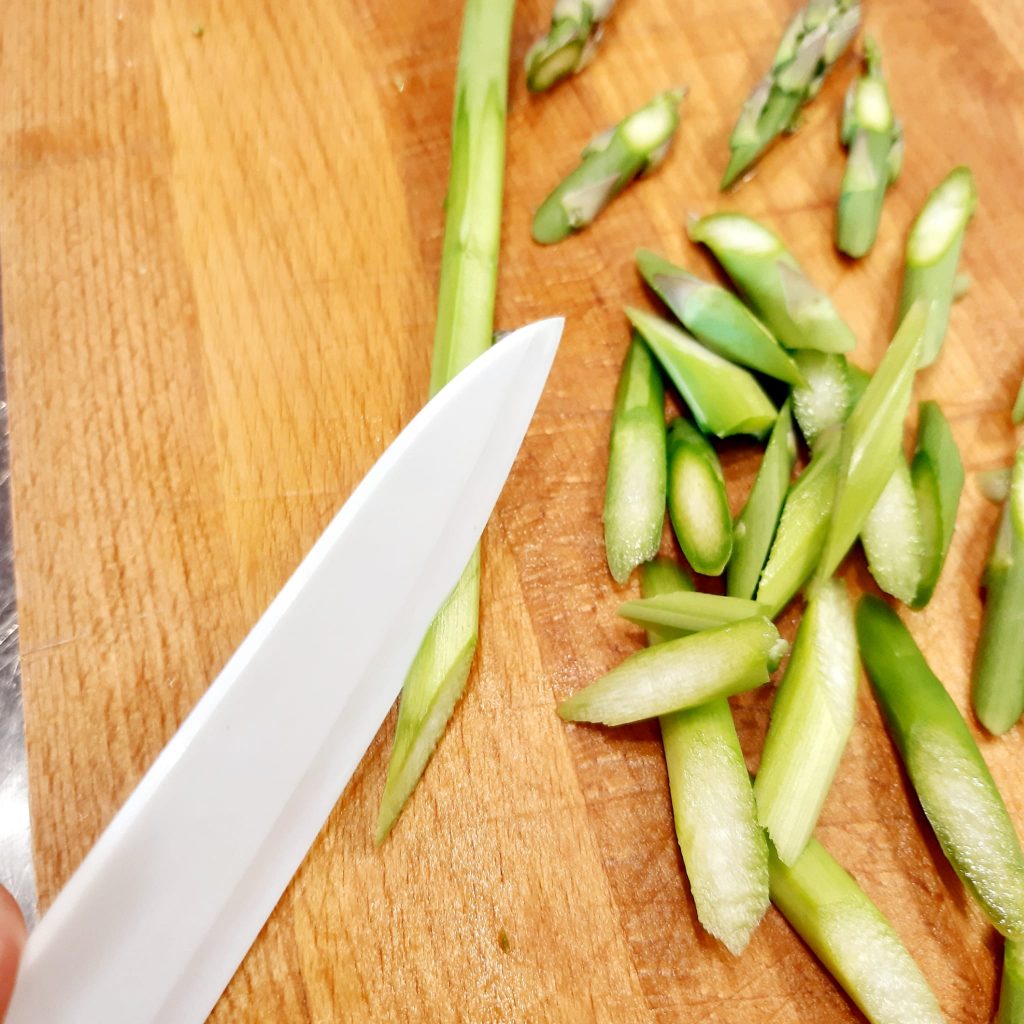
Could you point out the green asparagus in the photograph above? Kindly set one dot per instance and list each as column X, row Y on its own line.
column 998, row 684
column 680, row 611
column 724, row 850
column 1011, row 991
column 933, row 252
column 872, row 440
column 635, row 147
column 849, row 935
column 697, row 503
column 716, row 318
column 634, row 504
column 893, row 536
column 469, row 265
column 755, row 526
column 570, row 42
column 724, row 398
column 681, row 674
column 875, row 141
column 826, row 397
column 798, row 313
column 811, row 722
column 813, row 41
column 952, row 781
column 1018, row 406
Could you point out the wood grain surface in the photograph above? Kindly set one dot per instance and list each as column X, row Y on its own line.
column 220, row 229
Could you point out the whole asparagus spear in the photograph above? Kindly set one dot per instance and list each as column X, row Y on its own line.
column 875, row 141
column 569, row 45
column 636, row 146
column 469, row 269
column 811, row 44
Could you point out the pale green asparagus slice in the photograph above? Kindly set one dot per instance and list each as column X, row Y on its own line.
column 634, row 503
column 933, row 252
column 680, row 612
column 575, row 30
column 716, row 318
column 1018, row 406
column 802, row 528
column 465, row 315
column 697, row 503
column 851, row 937
column 634, row 147
column 813, row 41
column 1011, row 991
column 873, row 439
column 826, row 397
column 724, row 850
column 724, row 398
column 998, row 684
column 893, row 536
column 755, row 526
column 874, row 139
column 767, row 274
column 952, row 781
column 811, row 722
column 681, row 674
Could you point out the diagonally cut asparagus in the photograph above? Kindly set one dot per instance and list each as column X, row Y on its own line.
column 634, row 503
column 575, row 30
column 697, row 503
column 849, row 935
column 755, row 526
column 872, row 439
column 716, row 318
column 813, row 41
column 933, row 252
column 952, row 781
column 998, row 684
column 1018, row 406
column 723, row 848
column 893, row 536
column 679, row 612
column 938, row 475
column 803, row 527
column 874, row 139
column 465, row 315
column 826, row 397
column 681, row 674
column 767, row 274
column 636, row 146
column 811, row 722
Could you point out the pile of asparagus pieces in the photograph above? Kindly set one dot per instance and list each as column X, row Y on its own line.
column 757, row 363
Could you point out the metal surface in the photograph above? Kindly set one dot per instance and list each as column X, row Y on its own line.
column 155, row 921
column 17, row 872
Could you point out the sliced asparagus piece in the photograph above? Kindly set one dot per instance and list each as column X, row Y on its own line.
column 933, row 252
column 634, row 147
column 634, row 502
column 852, row 938
column 893, row 536
column 799, row 314
column 680, row 612
column 1011, row 991
column 802, row 528
column 724, row 399
column 723, row 848
column 756, row 525
column 697, row 502
column 994, row 484
column 998, row 684
column 681, row 674
column 811, row 44
column 874, row 139
column 570, row 42
column 872, row 439
column 952, row 781
column 465, row 322
column 811, row 722
column 717, row 318
column 938, row 475
column 661, row 577
column 1018, row 406
column 826, row 397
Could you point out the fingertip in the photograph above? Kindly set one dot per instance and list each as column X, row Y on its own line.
column 12, row 941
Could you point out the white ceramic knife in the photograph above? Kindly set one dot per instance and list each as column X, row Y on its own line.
column 157, row 918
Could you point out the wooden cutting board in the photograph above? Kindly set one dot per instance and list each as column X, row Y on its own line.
column 220, row 228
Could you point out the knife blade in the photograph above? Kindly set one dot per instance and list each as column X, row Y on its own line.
column 162, row 910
